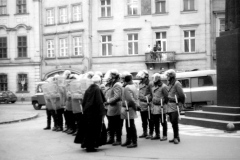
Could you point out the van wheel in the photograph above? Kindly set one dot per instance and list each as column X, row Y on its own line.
column 37, row 106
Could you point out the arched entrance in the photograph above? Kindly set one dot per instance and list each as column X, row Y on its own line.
column 60, row 71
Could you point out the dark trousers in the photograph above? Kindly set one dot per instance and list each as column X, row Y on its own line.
column 146, row 121
column 60, row 117
column 69, row 119
column 157, row 120
column 78, row 120
column 131, row 131
column 173, row 116
column 115, row 126
column 50, row 113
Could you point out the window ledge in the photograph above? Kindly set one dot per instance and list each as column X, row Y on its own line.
column 80, row 56
column 49, row 58
column 105, row 18
column 189, row 12
column 132, row 16
column 20, row 14
column 22, row 92
column 160, row 14
column 48, row 25
column 20, row 58
column 67, row 57
column 3, row 15
column 63, row 23
column 4, row 59
column 76, row 21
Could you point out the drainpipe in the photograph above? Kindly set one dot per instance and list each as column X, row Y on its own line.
column 40, row 37
column 90, row 35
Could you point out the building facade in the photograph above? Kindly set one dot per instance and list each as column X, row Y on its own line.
column 19, row 46
column 41, row 38
column 65, row 36
column 217, row 25
column 123, row 30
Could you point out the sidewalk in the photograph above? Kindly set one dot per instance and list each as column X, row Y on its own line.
column 9, row 113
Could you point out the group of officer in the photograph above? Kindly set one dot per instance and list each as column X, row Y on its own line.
column 154, row 99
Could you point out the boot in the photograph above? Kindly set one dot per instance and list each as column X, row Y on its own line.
column 111, row 138
column 47, row 128
column 54, row 128
column 155, row 137
column 150, row 136
column 144, row 134
column 172, row 141
column 59, row 129
column 128, row 142
column 117, row 143
column 164, row 138
column 132, row 145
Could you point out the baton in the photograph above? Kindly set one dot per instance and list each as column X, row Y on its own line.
column 148, row 108
column 127, row 114
column 177, row 107
column 162, row 110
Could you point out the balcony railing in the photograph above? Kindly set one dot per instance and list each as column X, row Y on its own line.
column 160, row 57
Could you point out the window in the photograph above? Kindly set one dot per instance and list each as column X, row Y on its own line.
column 106, row 45
column 50, row 48
column 77, row 46
column 105, row 8
column 63, row 47
column 3, row 82
column 132, row 7
column 188, row 5
column 160, row 6
column 189, row 41
column 205, row 81
column 63, row 15
column 184, row 82
column 50, row 16
column 3, row 7
column 22, row 46
column 3, row 47
column 22, row 82
column 77, row 13
column 222, row 25
column 162, row 38
column 132, row 44
column 21, row 6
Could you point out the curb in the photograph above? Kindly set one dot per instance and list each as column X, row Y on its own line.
column 20, row 120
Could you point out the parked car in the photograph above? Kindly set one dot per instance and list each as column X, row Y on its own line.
column 38, row 98
column 7, row 96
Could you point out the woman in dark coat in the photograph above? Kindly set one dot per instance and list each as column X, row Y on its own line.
column 93, row 114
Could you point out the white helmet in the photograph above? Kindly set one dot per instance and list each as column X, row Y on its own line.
column 96, row 79
column 142, row 74
column 171, row 73
column 114, row 72
column 66, row 73
column 98, row 73
column 156, row 77
column 125, row 73
column 90, row 74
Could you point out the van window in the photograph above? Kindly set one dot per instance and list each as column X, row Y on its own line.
column 205, row 81
column 184, row 82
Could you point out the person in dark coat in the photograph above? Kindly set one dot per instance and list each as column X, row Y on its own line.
column 93, row 114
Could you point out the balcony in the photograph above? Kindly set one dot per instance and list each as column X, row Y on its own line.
column 161, row 59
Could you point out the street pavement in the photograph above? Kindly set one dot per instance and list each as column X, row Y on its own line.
column 26, row 140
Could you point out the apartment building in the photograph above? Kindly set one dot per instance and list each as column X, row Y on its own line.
column 65, row 36
column 123, row 30
column 19, row 46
